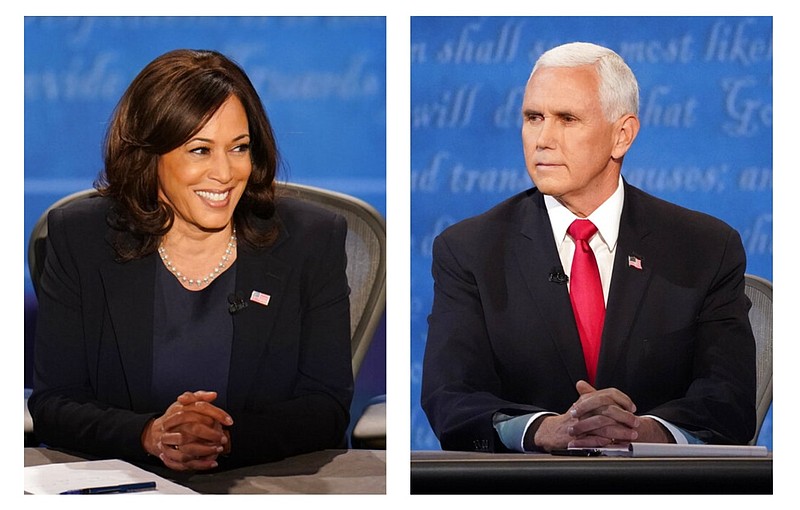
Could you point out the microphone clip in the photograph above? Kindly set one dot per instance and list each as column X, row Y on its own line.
column 237, row 302
column 558, row 276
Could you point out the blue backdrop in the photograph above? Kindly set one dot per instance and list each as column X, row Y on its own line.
column 322, row 81
column 705, row 140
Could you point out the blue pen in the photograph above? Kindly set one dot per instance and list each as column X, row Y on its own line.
column 115, row 489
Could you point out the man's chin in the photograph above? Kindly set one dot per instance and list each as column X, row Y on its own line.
column 548, row 186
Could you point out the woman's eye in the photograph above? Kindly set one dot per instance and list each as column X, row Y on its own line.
column 200, row 150
column 242, row 148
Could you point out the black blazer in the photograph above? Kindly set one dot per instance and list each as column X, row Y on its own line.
column 290, row 383
column 502, row 337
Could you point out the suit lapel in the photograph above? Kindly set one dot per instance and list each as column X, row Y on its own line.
column 537, row 256
column 628, row 285
column 129, row 289
column 257, row 270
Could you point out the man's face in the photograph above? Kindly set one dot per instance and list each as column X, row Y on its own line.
column 568, row 142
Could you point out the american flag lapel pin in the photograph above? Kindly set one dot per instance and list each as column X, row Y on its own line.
column 260, row 298
column 635, row 262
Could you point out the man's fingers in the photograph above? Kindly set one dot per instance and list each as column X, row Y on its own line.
column 604, row 427
column 591, row 401
column 612, row 413
column 590, row 442
column 584, row 387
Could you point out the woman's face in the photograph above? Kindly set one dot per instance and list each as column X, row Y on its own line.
column 204, row 178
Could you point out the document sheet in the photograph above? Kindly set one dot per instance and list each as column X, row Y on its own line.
column 71, row 476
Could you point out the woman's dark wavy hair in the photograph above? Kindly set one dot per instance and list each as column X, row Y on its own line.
column 170, row 100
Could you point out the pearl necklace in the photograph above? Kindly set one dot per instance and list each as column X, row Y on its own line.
column 206, row 279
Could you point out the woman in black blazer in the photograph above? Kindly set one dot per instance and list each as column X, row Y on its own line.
column 188, row 315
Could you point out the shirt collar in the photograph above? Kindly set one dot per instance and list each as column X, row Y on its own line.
column 605, row 218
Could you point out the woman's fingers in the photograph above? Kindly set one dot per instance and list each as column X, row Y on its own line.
column 190, row 434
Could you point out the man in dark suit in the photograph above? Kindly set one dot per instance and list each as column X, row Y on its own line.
column 510, row 366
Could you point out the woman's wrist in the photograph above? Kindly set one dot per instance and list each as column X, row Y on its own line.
column 149, row 442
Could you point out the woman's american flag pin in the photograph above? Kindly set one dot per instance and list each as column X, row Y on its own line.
column 260, row 298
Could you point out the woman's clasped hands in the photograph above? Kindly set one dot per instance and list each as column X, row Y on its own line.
column 191, row 434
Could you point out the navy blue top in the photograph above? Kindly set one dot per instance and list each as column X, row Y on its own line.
column 192, row 337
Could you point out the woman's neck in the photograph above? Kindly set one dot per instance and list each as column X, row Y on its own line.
column 196, row 258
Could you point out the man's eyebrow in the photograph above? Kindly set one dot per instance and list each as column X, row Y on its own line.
column 565, row 113
column 559, row 113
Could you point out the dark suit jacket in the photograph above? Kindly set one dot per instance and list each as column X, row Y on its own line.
column 290, row 383
column 502, row 337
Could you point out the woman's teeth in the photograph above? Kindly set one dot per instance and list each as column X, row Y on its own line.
column 214, row 197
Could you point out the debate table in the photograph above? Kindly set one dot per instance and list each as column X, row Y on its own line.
column 323, row 472
column 446, row 472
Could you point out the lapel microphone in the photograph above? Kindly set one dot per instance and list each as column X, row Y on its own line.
column 237, row 302
column 558, row 276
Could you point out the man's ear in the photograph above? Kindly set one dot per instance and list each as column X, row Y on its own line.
column 626, row 129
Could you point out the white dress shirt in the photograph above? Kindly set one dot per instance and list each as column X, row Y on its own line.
column 603, row 243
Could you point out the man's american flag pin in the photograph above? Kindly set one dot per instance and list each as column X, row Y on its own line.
column 635, row 262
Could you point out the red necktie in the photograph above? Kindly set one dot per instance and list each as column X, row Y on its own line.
column 586, row 294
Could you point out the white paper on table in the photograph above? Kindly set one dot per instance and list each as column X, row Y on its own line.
column 684, row 450
column 57, row 478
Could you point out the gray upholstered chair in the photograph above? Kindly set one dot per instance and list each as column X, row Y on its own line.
column 366, row 273
column 366, row 260
column 759, row 291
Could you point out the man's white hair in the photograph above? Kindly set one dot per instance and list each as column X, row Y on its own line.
column 618, row 88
